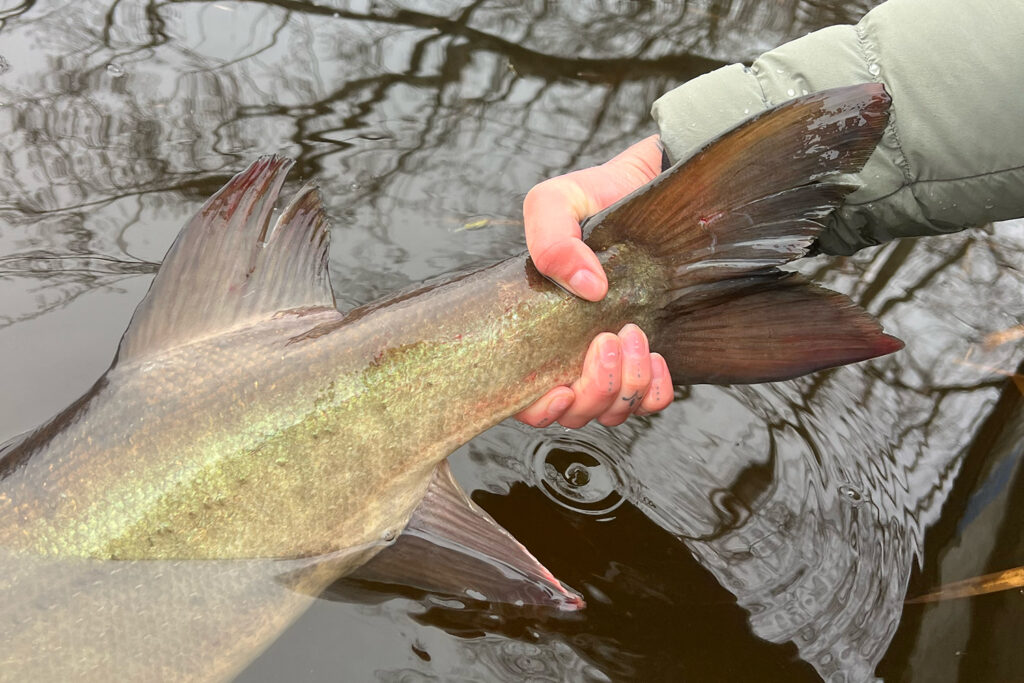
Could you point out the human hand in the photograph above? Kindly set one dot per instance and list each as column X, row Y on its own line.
column 552, row 212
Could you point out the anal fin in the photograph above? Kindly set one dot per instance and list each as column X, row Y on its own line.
column 453, row 547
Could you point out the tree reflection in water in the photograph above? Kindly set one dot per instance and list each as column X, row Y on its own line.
column 803, row 507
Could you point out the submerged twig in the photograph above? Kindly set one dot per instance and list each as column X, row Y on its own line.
column 1015, row 333
column 979, row 585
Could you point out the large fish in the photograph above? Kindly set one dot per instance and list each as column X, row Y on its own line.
column 250, row 443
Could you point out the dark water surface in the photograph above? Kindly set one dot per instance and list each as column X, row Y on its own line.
column 747, row 533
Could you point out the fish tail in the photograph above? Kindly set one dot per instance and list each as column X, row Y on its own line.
column 721, row 223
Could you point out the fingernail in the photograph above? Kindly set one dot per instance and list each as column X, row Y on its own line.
column 559, row 405
column 633, row 339
column 586, row 284
column 610, row 353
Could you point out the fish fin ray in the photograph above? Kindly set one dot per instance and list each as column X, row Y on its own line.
column 769, row 327
column 775, row 172
column 232, row 265
column 721, row 223
column 452, row 546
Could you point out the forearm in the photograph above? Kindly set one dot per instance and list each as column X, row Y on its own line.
column 953, row 154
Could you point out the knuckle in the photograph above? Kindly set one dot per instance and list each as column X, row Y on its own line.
column 601, row 387
column 612, row 419
column 572, row 423
column 545, row 258
column 536, row 194
column 650, row 404
column 606, row 387
column 635, row 384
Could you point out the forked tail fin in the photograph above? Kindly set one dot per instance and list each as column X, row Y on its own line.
column 723, row 221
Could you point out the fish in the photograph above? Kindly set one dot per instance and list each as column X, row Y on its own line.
column 250, row 443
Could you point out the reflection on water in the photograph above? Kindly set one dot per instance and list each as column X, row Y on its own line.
column 764, row 532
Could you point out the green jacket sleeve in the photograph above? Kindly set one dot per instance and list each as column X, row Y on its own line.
column 953, row 153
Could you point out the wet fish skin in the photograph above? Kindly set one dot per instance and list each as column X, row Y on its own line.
column 80, row 619
column 184, row 454
column 245, row 418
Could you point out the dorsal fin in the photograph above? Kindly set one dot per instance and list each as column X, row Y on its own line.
column 229, row 266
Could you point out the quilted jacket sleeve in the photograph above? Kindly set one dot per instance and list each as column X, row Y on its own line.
column 953, row 154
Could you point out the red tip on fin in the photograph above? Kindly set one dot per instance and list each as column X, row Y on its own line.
column 451, row 546
column 231, row 265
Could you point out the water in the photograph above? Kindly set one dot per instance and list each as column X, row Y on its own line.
column 766, row 533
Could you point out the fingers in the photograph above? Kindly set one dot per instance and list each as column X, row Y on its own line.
column 548, row 408
column 598, row 386
column 638, row 163
column 553, row 209
column 635, row 378
column 620, row 377
column 572, row 264
column 660, row 394
column 552, row 212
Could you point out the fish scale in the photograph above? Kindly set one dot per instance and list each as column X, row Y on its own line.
column 248, row 429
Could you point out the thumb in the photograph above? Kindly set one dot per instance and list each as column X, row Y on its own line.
column 552, row 212
column 553, row 209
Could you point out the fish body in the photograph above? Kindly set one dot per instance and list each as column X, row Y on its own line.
column 82, row 619
column 271, row 426
column 246, row 423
